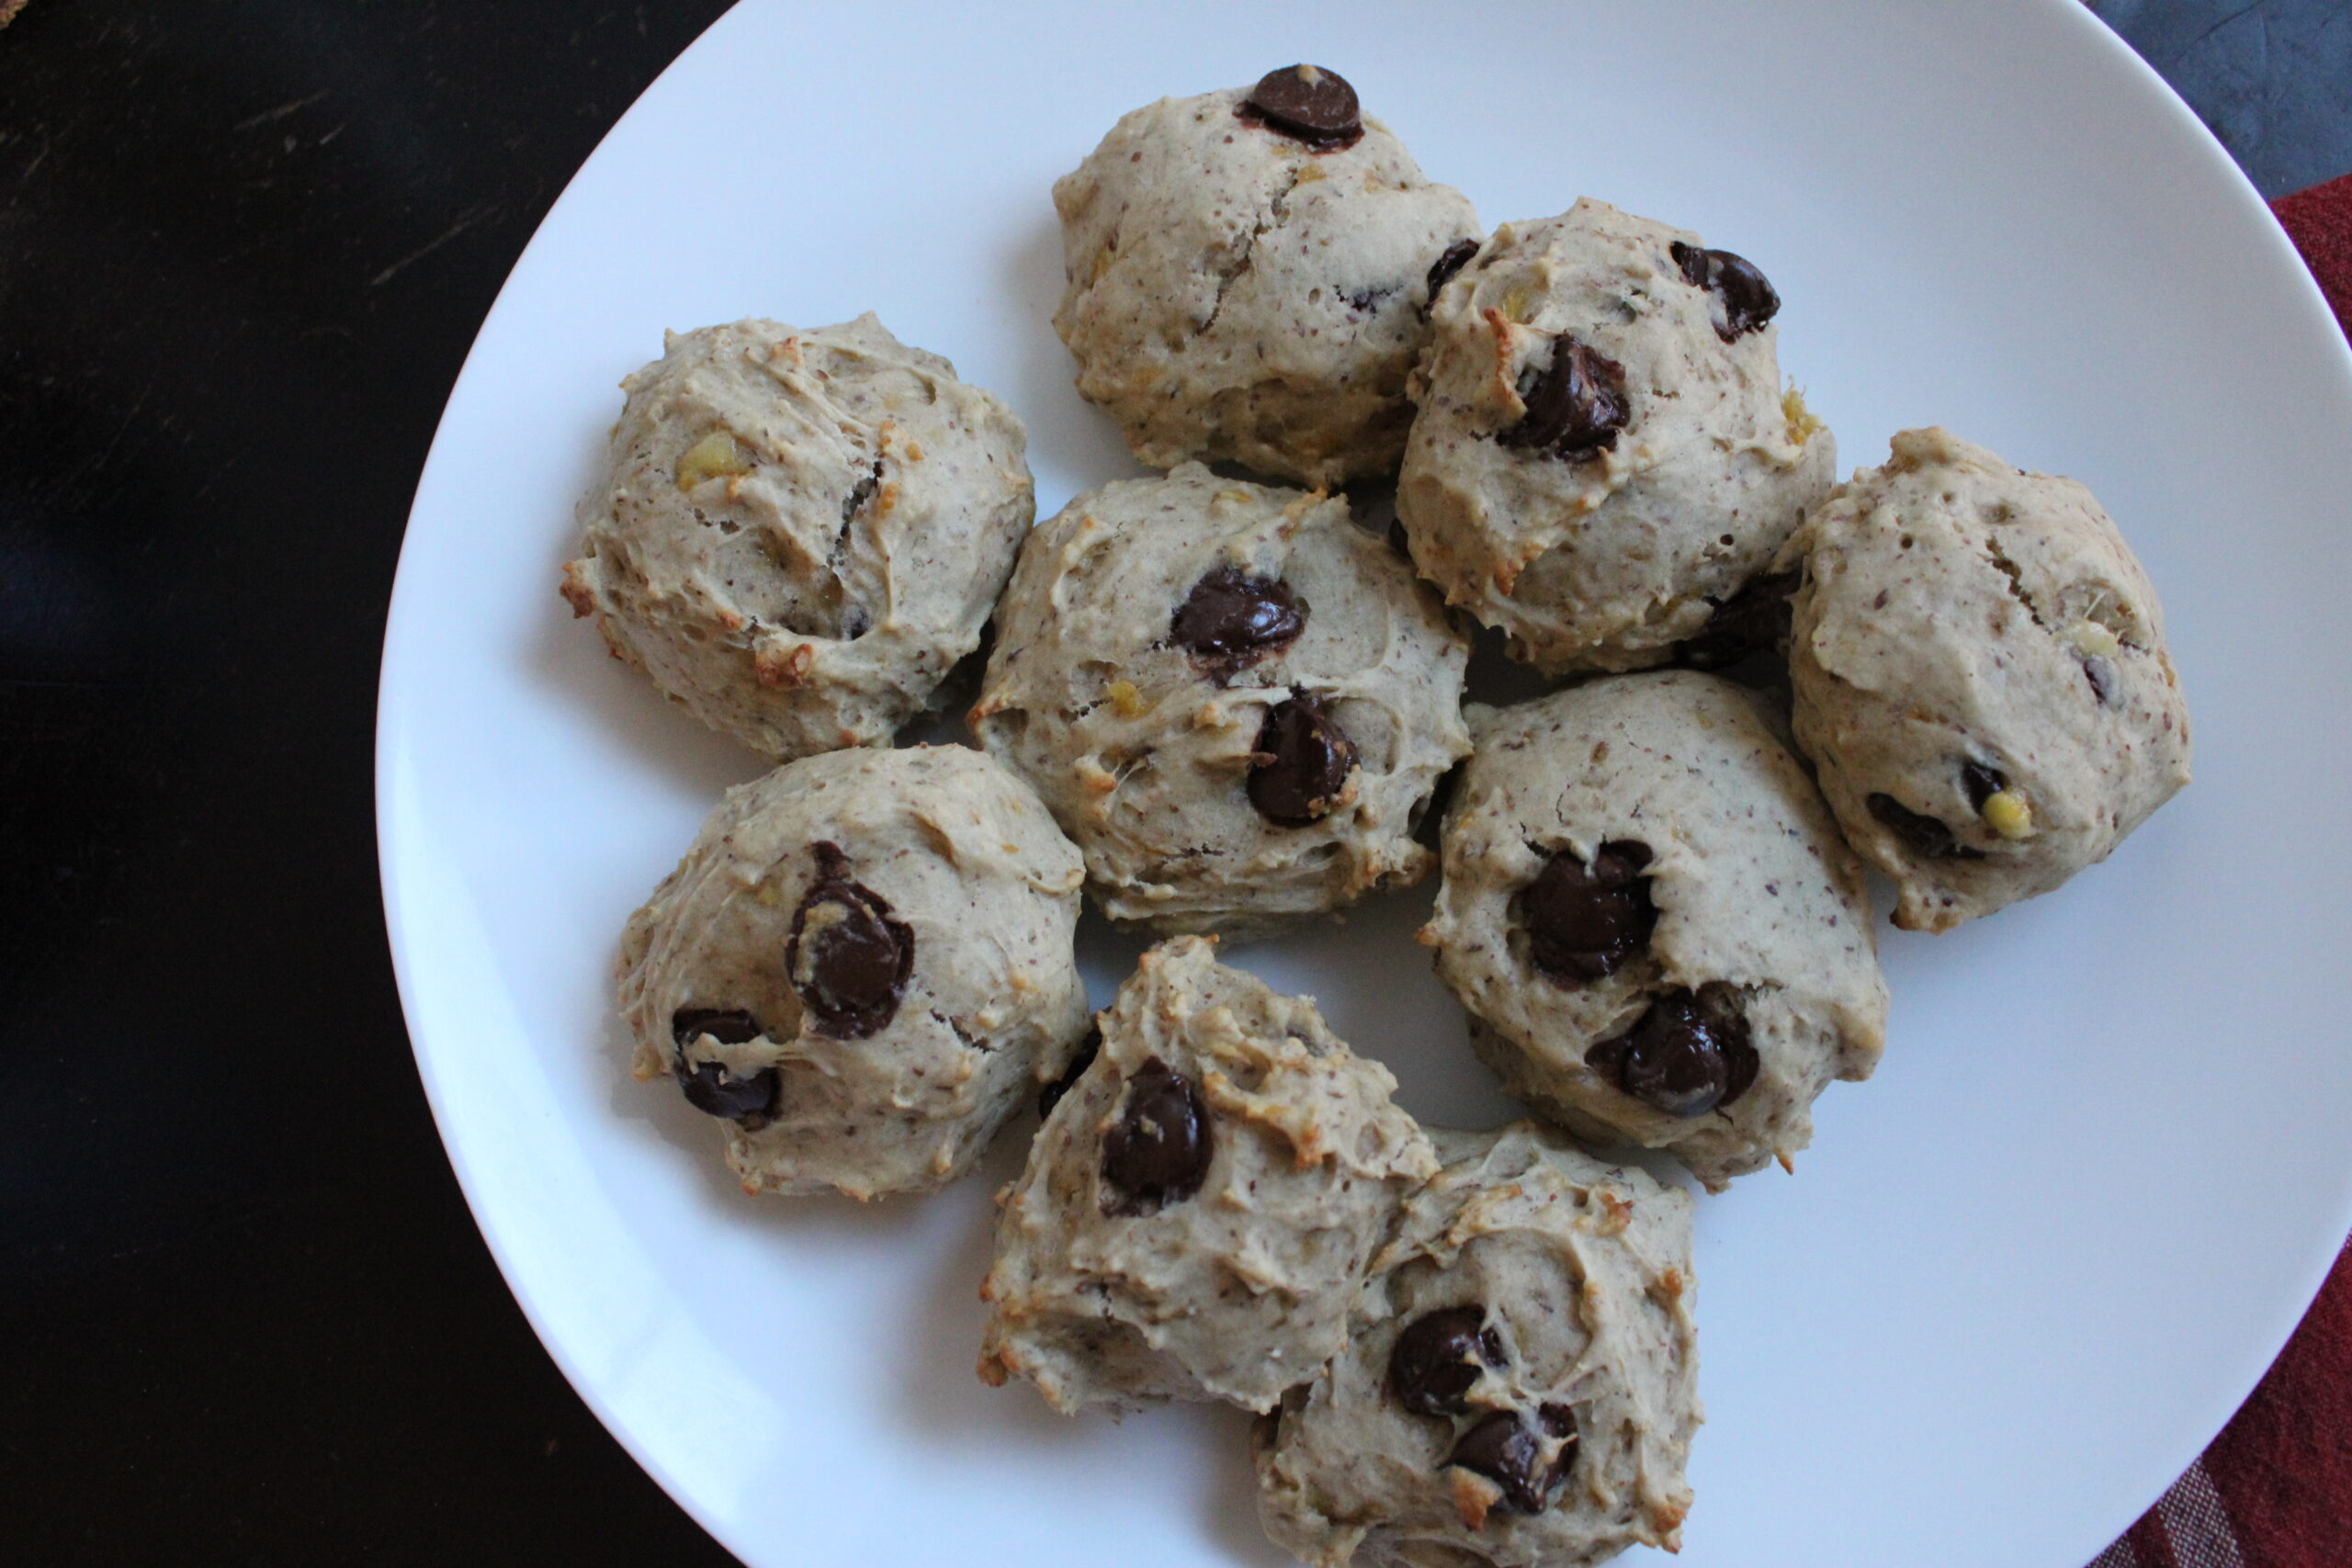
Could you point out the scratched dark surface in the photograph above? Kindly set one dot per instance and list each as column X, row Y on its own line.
column 244, row 1313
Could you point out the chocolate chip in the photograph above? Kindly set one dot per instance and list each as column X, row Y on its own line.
column 1088, row 1049
column 1583, row 921
column 710, row 1089
column 1748, row 298
column 1301, row 764
column 1505, row 1450
column 1575, row 405
column 728, row 1026
column 1982, row 784
column 1230, row 620
column 1451, row 260
column 2101, row 676
column 1925, row 837
column 1686, row 1056
column 1438, row 1358
column 1306, row 103
column 847, row 958
column 1158, row 1152
column 1756, row 619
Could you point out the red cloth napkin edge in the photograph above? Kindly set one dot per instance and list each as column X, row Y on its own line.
column 2320, row 222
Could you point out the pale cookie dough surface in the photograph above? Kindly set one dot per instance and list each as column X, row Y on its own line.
column 1148, row 751
column 863, row 967
column 1274, row 1161
column 1608, row 563
column 1981, row 678
column 799, row 533
column 1745, row 911
column 1234, row 293
column 1544, row 1301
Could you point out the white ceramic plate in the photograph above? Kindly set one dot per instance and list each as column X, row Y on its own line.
column 2023, row 1275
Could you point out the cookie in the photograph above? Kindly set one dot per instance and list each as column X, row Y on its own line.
column 1199, row 1207
column 1248, row 274
column 1650, row 916
column 862, row 968
column 1520, row 1385
column 1981, row 678
column 1237, row 701
column 797, row 534
column 1603, row 458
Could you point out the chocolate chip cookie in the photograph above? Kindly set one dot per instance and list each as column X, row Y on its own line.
column 1981, row 678
column 797, row 534
column 1236, row 700
column 861, row 969
column 1604, row 458
column 1519, row 1383
column 1249, row 277
column 1656, row 930
column 1199, row 1207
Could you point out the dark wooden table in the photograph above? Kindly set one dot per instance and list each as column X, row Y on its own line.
column 244, row 1315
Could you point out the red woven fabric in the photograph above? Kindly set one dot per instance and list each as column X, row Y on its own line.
column 2275, row 1490
column 2320, row 222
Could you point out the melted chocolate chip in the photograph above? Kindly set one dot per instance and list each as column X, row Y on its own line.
column 1583, row 921
column 1749, row 299
column 710, row 1089
column 1230, row 620
column 1306, row 103
column 1507, row 1453
column 1982, row 784
column 1575, row 405
column 847, row 958
column 1755, row 620
column 1438, row 1358
column 1088, row 1049
column 1158, row 1152
column 1689, row 1054
column 1451, row 260
column 1301, row 764
column 728, row 1026
column 2101, row 676
column 1925, row 837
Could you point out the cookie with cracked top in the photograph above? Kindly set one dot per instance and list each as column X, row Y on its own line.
column 1201, row 1203
column 797, row 532
column 1603, row 458
column 1650, row 916
column 1518, row 1385
column 1238, row 701
column 862, row 969
column 1981, row 677
column 1248, row 276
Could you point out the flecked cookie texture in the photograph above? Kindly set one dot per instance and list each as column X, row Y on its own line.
column 797, row 534
column 1249, row 277
column 1653, row 922
column 1981, row 678
column 1520, row 1383
column 862, row 968
column 1604, row 458
column 1236, row 700
column 1199, row 1208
